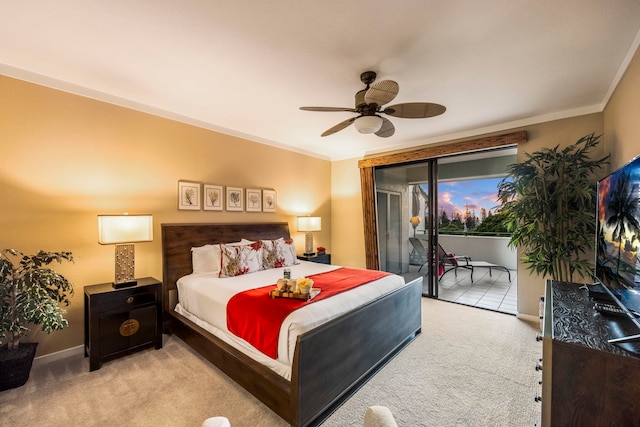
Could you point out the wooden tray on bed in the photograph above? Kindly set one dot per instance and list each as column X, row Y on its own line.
column 274, row 293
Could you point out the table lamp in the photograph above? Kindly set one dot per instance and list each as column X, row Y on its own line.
column 123, row 231
column 309, row 224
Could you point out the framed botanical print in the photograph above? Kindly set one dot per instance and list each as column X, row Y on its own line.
column 268, row 201
column 189, row 195
column 254, row 200
column 213, row 197
column 235, row 199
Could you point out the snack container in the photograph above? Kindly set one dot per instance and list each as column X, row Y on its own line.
column 282, row 285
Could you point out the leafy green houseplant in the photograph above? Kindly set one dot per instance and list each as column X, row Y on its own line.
column 549, row 206
column 31, row 293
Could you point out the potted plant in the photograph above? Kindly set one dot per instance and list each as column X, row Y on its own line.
column 30, row 294
column 549, row 205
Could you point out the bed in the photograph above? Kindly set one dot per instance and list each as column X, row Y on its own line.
column 330, row 362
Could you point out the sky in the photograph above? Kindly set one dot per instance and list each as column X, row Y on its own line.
column 453, row 196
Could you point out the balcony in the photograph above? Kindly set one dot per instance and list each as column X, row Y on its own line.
column 490, row 290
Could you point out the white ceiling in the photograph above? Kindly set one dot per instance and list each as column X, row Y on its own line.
column 245, row 67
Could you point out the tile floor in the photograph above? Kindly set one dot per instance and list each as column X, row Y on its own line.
column 492, row 292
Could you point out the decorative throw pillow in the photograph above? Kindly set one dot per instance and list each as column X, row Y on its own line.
column 238, row 260
column 278, row 253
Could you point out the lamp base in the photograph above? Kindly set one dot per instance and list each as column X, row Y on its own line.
column 128, row 283
column 125, row 264
column 308, row 244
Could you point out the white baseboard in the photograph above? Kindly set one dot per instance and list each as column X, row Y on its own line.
column 62, row 354
column 528, row 317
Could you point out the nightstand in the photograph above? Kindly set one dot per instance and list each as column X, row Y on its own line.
column 121, row 321
column 320, row 259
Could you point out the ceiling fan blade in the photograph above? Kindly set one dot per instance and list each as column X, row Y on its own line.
column 387, row 129
column 338, row 127
column 415, row 110
column 328, row 109
column 381, row 92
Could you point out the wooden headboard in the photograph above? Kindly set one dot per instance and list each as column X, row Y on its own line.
column 178, row 239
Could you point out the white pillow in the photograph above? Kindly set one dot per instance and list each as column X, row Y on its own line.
column 203, row 259
column 207, row 258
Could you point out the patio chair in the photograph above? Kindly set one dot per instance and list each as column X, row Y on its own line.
column 448, row 261
column 419, row 253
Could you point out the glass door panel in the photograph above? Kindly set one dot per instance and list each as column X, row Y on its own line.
column 389, row 211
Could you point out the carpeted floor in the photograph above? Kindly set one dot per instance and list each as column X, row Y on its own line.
column 470, row 367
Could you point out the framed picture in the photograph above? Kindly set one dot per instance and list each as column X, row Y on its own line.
column 189, row 195
column 235, row 199
column 268, row 201
column 254, row 200
column 213, row 197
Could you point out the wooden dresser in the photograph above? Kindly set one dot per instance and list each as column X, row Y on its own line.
column 585, row 380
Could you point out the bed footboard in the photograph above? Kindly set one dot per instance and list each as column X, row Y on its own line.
column 334, row 361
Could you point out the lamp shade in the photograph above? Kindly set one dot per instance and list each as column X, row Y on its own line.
column 368, row 124
column 414, row 220
column 309, row 223
column 124, row 229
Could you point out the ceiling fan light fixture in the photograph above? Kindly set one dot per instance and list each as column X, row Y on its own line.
column 368, row 124
column 369, row 104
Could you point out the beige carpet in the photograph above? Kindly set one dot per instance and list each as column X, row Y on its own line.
column 470, row 367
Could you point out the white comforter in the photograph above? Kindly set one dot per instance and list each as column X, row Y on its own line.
column 203, row 299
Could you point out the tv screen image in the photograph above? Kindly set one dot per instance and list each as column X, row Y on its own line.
column 618, row 236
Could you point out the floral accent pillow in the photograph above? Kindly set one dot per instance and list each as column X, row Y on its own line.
column 278, row 253
column 238, row 260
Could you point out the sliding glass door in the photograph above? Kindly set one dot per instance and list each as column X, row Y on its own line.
column 413, row 219
column 406, row 199
column 389, row 211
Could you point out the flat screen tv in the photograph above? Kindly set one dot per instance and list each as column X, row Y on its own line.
column 618, row 240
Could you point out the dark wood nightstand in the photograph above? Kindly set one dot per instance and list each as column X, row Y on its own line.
column 121, row 321
column 320, row 259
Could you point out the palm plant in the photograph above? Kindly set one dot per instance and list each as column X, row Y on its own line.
column 549, row 206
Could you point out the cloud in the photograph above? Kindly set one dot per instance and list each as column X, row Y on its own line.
column 456, row 196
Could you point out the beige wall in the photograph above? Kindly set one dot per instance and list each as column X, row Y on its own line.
column 347, row 236
column 622, row 116
column 65, row 159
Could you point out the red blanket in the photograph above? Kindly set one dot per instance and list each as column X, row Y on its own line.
column 256, row 317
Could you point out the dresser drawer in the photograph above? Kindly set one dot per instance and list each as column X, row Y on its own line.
column 319, row 259
column 127, row 301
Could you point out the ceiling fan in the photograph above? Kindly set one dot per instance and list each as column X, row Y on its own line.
column 369, row 102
